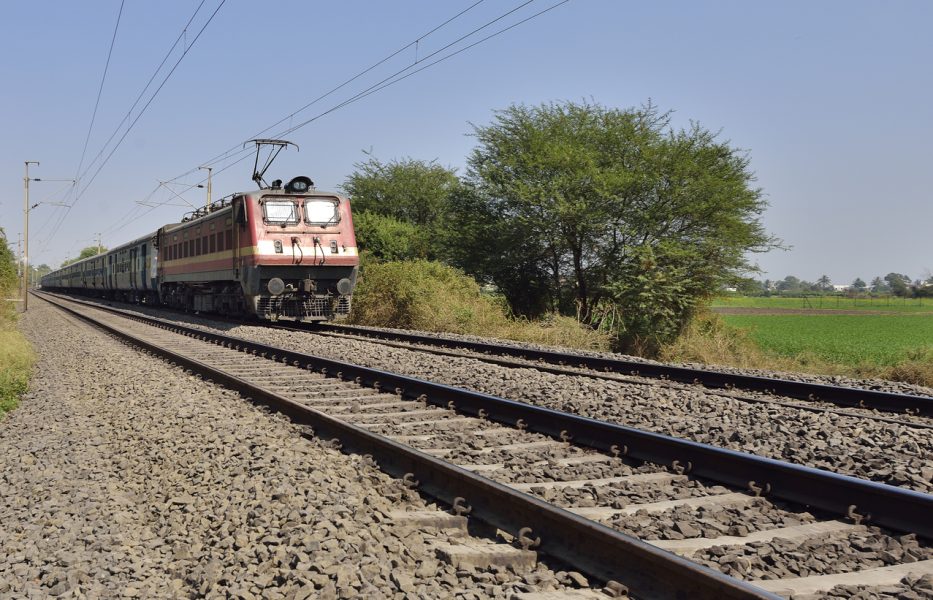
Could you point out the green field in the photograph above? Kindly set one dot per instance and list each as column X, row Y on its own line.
column 885, row 304
column 842, row 339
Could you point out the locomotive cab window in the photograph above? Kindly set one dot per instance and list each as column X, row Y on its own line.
column 322, row 212
column 280, row 212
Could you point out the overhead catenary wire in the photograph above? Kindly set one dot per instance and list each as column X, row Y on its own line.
column 396, row 77
column 238, row 148
column 83, row 190
column 229, row 154
column 142, row 92
column 100, row 91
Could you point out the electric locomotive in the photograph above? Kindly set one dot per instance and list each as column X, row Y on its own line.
column 282, row 251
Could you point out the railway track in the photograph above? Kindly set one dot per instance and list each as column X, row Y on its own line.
column 585, row 488
column 844, row 401
column 635, row 372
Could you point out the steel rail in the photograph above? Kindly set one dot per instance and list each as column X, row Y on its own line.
column 593, row 548
column 840, row 395
column 628, row 379
column 885, row 505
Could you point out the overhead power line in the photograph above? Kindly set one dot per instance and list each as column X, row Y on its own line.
column 245, row 153
column 238, row 148
column 100, row 90
column 396, row 77
column 83, row 190
column 142, row 92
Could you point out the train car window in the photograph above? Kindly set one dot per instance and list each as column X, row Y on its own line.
column 220, row 241
column 197, row 247
column 213, row 239
column 228, row 239
column 321, row 212
column 205, row 244
column 280, row 212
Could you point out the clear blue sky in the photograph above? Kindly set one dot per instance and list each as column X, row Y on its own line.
column 833, row 100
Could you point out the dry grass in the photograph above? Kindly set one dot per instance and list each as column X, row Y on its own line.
column 16, row 360
column 709, row 340
column 430, row 296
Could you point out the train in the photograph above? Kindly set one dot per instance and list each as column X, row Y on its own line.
column 280, row 252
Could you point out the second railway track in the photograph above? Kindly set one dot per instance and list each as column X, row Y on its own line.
column 803, row 390
column 691, row 499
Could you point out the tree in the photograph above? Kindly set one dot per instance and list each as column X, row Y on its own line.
column 85, row 253
column 748, row 286
column 788, row 284
column 824, row 283
column 587, row 188
column 878, row 285
column 405, row 191
column 898, row 284
column 8, row 277
column 858, row 285
column 386, row 238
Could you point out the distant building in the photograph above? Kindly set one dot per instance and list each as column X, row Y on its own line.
column 840, row 287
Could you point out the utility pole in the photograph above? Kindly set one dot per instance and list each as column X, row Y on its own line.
column 98, row 245
column 209, row 170
column 26, row 235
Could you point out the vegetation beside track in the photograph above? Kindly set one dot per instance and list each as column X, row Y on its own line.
column 16, row 355
column 430, row 296
column 894, row 347
column 827, row 303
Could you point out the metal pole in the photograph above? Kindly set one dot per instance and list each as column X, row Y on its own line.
column 26, row 235
column 209, row 170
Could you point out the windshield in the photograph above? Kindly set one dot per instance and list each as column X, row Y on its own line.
column 321, row 212
column 280, row 211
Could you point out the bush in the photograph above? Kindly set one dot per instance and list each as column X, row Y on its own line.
column 431, row 296
column 423, row 295
column 650, row 300
column 16, row 356
column 385, row 238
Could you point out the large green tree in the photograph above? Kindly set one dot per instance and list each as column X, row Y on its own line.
column 402, row 197
column 587, row 190
column 8, row 270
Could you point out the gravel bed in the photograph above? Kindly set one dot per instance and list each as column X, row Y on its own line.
column 868, row 384
column 780, row 558
column 910, row 588
column 710, row 521
column 518, row 471
column 885, row 452
column 614, row 497
column 123, row 476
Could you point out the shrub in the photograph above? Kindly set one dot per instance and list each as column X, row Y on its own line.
column 423, row 295
column 431, row 296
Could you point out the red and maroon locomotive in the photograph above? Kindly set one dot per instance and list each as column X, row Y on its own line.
column 277, row 252
column 283, row 251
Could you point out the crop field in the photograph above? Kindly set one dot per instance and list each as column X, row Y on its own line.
column 884, row 304
column 842, row 339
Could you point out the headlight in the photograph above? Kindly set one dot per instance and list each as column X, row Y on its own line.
column 321, row 212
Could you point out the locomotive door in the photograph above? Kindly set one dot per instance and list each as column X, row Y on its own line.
column 142, row 268
column 133, row 268
column 239, row 220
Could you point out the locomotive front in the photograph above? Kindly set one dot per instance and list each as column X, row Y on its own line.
column 301, row 261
